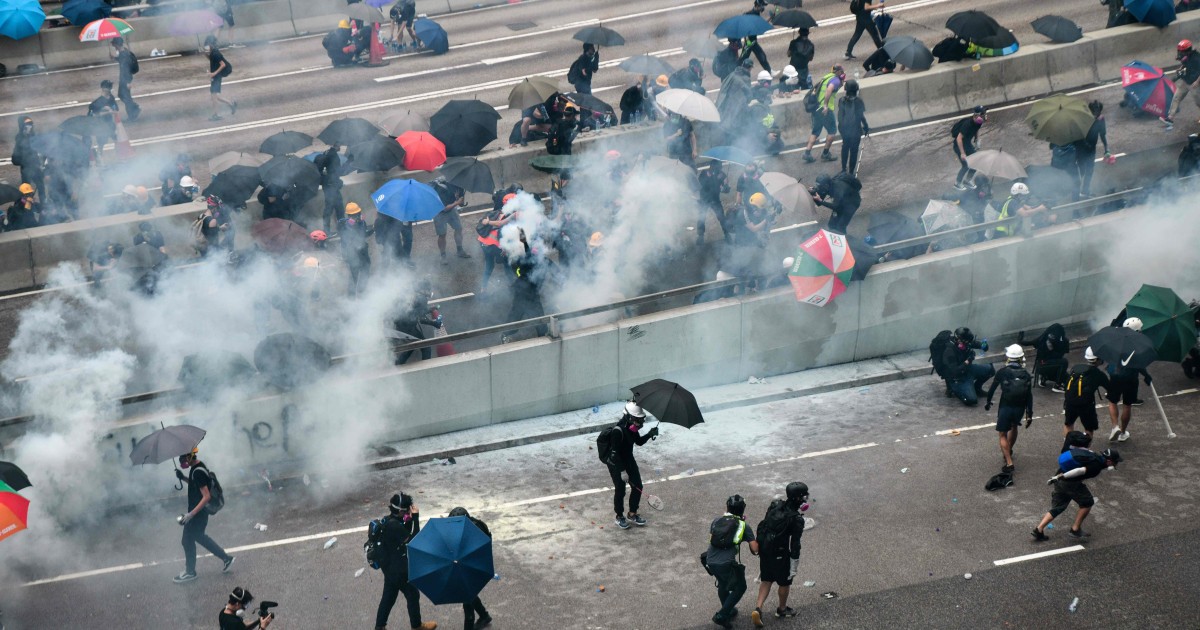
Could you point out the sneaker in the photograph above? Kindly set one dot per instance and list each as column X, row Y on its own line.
column 1167, row 120
column 971, row 185
column 1137, row 403
column 781, row 613
column 724, row 623
column 463, row 254
column 1112, row 435
column 184, row 577
column 827, row 156
column 960, row 187
column 808, row 157
column 428, row 625
column 1124, row 436
column 1039, row 535
column 850, row 56
column 756, row 617
column 621, row 522
column 1040, row 381
column 215, row 118
column 482, row 622
column 1058, row 389
column 637, row 519
column 1008, row 468
column 1078, row 533
column 228, row 563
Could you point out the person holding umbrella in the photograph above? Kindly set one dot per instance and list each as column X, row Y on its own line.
column 584, row 68
column 1124, row 390
column 625, row 435
column 475, row 606
column 199, row 483
column 128, row 66
column 453, row 197
column 400, row 526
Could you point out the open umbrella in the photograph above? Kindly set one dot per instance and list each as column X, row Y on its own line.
column 105, row 29
column 230, row 159
column 557, row 163
column 788, row 4
column 794, row 18
column 464, row 127
column 365, row 12
column 890, row 226
column 280, row 236
column 288, row 360
column 995, row 163
column 166, row 444
column 469, row 174
column 285, row 142
column 20, row 18
column 532, row 91
column 433, row 37
column 1059, row 29
column 941, row 215
column 1150, row 89
column 61, row 147
column 1166, row 320
column 290, row 172
column 690, row 104
column 235, row 184
column 347, row 131
column 13, row 476
column 740, row 26
column 647, row 65
column 1127, row 348
column 1060, row 119
column 205, row 374
column 1154, row 12
column 377, row 154
column 407, row 200
column 84, row 11
column 599, row 36
column 195, row 23
column 668, row 402
column 979, row 28
column 9, row 194
column 729, row 154
column 14, row 511
column 703, row 46
column 909, row 52
column 790, row 194
column 87, row 126
column 422, row 151
column 450, row 560
column 588, row 104
column 822, row 268
column 398, row 122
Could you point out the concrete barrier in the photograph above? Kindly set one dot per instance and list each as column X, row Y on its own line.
column 887, row 99
column 981, row 82
column 16, row 260
column 932, row 93
column 596, row 380
column 263, row 20
column 780, row 335
column 1068, row 66
column 1118, row 46
column 61, row 48
column 313, row 16
column 1024, row 74
column 23, row 51
column 701, row 348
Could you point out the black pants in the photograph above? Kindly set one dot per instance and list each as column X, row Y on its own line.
column 861, row 26
column 527, row 304
column 1053, row 369
column 34, row 176
column 193, row 534
column 406, row 241
column 719, row 211
column 359, row 264
column 635, row 480
column 850, row 146
column 731, row 586
column 583, row 87
column 395, row 581
column 470, row 609
column 1085, row 163
column 760, row 55
column 840, row 221
column 333, row 211
column 132, row 109
column 964, row 172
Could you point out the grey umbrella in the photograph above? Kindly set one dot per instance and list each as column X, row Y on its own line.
column 995, row 163
column 908, row 52
column 647, row 65
column 398, row 122
column 166, row 444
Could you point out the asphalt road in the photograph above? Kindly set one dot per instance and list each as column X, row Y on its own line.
column 899, row 510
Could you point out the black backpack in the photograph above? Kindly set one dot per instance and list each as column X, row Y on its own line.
column 812, row 100
column 133, row 64
column 376, row 554
column 1074, row 388
column 606, row 446
column 724, row 532
column 998, row 481
column 1015, row 391
column 937, row 347
column 575, row 73
column 773, row 529
column 724, row 63
column 216, row 494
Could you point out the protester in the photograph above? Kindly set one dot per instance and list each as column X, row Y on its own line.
column 215, row 227
column 218, row 69
column 800, row 52
column 402, row 523
column 452, row 198
column 103, row 108
column 712, row 184
column 25, row 212
column 733, row 101
column 1115, row 9
column 563, row 131
column 723, row 558
column 963, row 135
column 1085, row 149
column 475, row 606
column 403, row 14
column 861, row 9
column 631, row 103
column 842, row 195
column 1016, row 401
column 1051, row 364
column 339, row 45
column 583, row 69
column 355, row 253
column 880, row 62
column 750, row 46
column 625, row 435
column 790, row 83
column 199, row 482
column 964, row 377
column 1019, row 203
column 537, row 119
column 1074, row 466
column 149, row 235
column 749, row 182
column 233, row 616
column 824, row 117
column 175, row 193
column 778, row 536
column 127, row 65
column 489, row 238
column 25, row 157
column 1079, row 400
column 526, row 290
column 1124, row 390
column 179, row 168
column 413, row 320
column 852, row 125
column 681, row 139
column 690, row 77
column 1187, row 78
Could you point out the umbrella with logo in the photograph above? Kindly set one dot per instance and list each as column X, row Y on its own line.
column 1154, row 12
column 979, row 28
column 1166, row 320
column 20, row 18
column 646, row 64
column 689, row 104
column 599, row 36
column 909, row 52
column 288, row 360
column 14, row 511
column 195, row 23
column 105, row 29
column 84, row 11
column 794, row 18
column 347, row 131
column 464, row 127
column 380, row 153
column 450, row 560
column 235, row 184
column 1059, row 29
column 531, row 91
column 1127, row 348
column 668, row 402
column 433, row 37
column 398, row 122
column 12, row 476
column 1148, row 86
column 407, row 200
column 741, row 26
column 997, row 164
column 280, row 236
column 469, row 174
column 1060, row 119
column 285, row 142
column 822, row 269
column 422, row 151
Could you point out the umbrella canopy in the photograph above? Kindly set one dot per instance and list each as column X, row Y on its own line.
column 84, row 11
column 464, row 127
column 822, row 268
column 775, row 181
column 289, row 171
column 1154, row 12
column 557, row 163
column 1151, row 90
column 378, row 3
column 729, row 154
column 235, row 184
column 979, row 28
column 365, row 12
column 432, row 35
column 61, row 147
column 1166, row 320
column 141, row 259
column 377, row 154
column 347, row 131
column 21, row 18
column 790, row 194
column 864, row 257
column 203, row 375
column 743, row 25
column 1124, row 347
column 450, row 560
column 9, row 194
column 104, row 29
column 1059, row 29
column 794, row 18
column 588, row 103
column 532, row 91
column 995, row 163
column 398, row 122
column 647, row 65
column 940, row 215
column 166, row 444
column 599, row 36
column 908, row 52
column 407, row 200
column 87, row 126
column 422, row 151
column 14, row 511
column 469, row 174
column 285, row 142
column 669, row 402
column 1060, row 119
column 280, row 236
column 12, row 476
column 703, row 46
column 891, row 226
column 195, row 23
column 690, row 104
column 230, row 159
column 288, row 360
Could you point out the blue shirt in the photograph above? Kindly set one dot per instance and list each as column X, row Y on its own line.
column 1081, row 458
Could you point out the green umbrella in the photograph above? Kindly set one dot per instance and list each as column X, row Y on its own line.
column 1060, row 119
column 1166, row 320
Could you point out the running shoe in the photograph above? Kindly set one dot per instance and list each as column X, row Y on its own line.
column 756, row 617
column 637, row 519
column 184, row 577
column 1124, row 436
column 1039, row 535
column 621, row 522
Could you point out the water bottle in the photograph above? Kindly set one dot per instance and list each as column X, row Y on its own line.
column 1074, row 605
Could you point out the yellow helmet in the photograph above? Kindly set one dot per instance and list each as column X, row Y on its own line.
column 352, row 208
column 758, row 200
column 344, row 24
column 26, row 189
column 663, row 81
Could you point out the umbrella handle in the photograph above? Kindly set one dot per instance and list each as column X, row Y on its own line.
column 1170, row 433
column 178, row 482
column 656, row 423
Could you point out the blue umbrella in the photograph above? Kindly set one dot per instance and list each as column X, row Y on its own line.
column 20, row 18
column 450, row 560
column 80, row 12
column 740, row 26
column 1155, row 12
column 432, row 35
column 407, row 200
column 729, row 154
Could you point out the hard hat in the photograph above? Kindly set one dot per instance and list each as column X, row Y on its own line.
column 317, row 236
column 187, row 182
column 790, row 72
column 352, row 208
column 26, row 189
column 344, row 24
column 571, row 107
column 797, row 491
column 1088, row 355
column 1184, row 45
column 1133, row 323
column 663, row 81
column 634, row 410
column 724, row 275
column 788, row 262
column 758, row 200
column 596, row 240
column 509, row 197
column 764, row 75
column 1019, row 189
column 311, row 262
column 852, row 87
column 1014, row 352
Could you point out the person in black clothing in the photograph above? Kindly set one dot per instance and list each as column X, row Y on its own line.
column 1079, row 399
column 339, row 45
column 629, row 428
column 218, row 69
column 1187, row 78
column 402, row 523
column 175, row 192
column 963, row 135
column 964, row 377
column 841, row 194
column 276, row 203
column 413, row 320
column 25, row 212
column 584, row 69
column 800, row 53
column 689, row 78
column 852, row 125
column 1189, row 157
column 880, row 62
column 24, row 156
column 1051, row 363
column 1016, row 400
column 239, row 599
column 712, row 183
column 198, row 481
column 475, row 606
column 329, row 164
column 355, row 231
column 149, row 235
column 215, row 225
column 1074, row 466
column 1124, row 391
column 681, row 139
column 563, row 131
column 861, row 10
column 632, row 101
column 750, row 46
column 779, row 556
column 1085, row 150
column 103, row 108
column 526, row 290
column 127, row 65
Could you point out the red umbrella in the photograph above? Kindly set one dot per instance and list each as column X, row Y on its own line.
column 422, row 151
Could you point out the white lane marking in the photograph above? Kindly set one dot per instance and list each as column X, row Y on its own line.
column 1040, row 554
column 961, row 429
column 91, row 67
column 295, row 38
column 486, row 62
column 452, row 298
column 492, row 62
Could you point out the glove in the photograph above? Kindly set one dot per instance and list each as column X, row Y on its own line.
column 179, row 475
column 1051, row 480
column 987, row 406
column 1028, row 421
column 653, row 432
column 794, row 567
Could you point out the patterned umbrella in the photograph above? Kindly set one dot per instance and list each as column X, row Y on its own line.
column 822, row 268
column 1152, row 91
column 108, row 28
column 14, row 511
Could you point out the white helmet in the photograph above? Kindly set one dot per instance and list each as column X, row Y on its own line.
column 1134, row 323
column 790, row 72
column 634, row 410
column 1019, row 189
column 1014, row 352
column 1088, row 355
column 187, row 182
column 764, row 76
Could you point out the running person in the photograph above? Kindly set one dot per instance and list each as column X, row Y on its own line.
column 218, row 69
column 1016, row 401
column 963, row 135
column 1074, row 466
column 1124, row 391
column 724, row 557
column 630, row 427
column 779, row 549
column 1079, row 401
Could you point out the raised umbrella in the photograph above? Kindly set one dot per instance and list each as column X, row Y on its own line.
column 450, row 560
column 1151, row 90
column 9, row 194
column 84, row 11
column 979, row 28
column 794, row 18
column 166, row 444
column 347, row 131
column 280, row 236
column 61, row 147
column 1059, row 29
column 235, row 184
column 288, row 360
column 646, row 64
column 703, row 46
column 822, row 269
column 790, row 194
column 87, row 126
column 909, row 52
column 204, row 375
column 465, row 127
column 14, row 511
column 588, row 103
column 1166, row 320
column 730, row 154
column 105, row 29
column 285, row 142
column 230, row 159
column 668, row 402
column 377, row 154
column 469, row 174
column 433, row 37
column 995, row 163
column 407, row 200
column 599, row 36
column 531, row 91
column 398, row 122
column 740, row 26
column 365, row 13
column 689, row 104
column 1128, row 349
column 422, row 151
column 1060, row 119
column 1154, row 12
column 288, row 172
column 21, row 18
column 195, row 23
column 13, row 476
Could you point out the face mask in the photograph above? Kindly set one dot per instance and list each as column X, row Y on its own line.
column 979, row 120
column 185, row 464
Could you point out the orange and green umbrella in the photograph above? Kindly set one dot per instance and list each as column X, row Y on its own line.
column 14, row 511
column 822, row 268
column 107, row 28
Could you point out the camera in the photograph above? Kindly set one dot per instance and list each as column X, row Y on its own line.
column 264, row 608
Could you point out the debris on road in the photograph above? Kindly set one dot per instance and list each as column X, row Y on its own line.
column 829, row 595
column 600, row 589
column 305, row 479
column 359, row 572
column 1074, row 605
column 966, row 576
column 810, row 583
column 754, row 380
column 903, row 470
column 331, row 543
column 260, row 527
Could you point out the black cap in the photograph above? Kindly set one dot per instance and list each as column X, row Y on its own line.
column 1113, row 455
column 735, row 505
column 980, row 109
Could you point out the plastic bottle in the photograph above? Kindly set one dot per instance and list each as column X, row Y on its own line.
column 1074, row 605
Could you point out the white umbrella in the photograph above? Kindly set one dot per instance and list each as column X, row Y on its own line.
column 690, row 104
column 943, row 215
column 997, row 164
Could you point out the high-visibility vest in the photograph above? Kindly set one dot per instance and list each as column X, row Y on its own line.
column 1005, row 229
column 493, row 238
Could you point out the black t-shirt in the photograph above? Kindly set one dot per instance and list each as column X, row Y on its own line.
column 126, row 62
column 448, row 193
column 215, row 59
column 233, row 622
column 154, row 238
column 860, row 11
column 967, row 128
column 1190, row 67
column 748, row 186
column 682, row 144
column 97, row 106
column 197, row 479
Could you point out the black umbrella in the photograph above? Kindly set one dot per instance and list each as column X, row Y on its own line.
column 864, row 257
column 647, row 65
column 285, row 142
column 980, row 28
column 204, row 375
column 80, row 12
column 1124, row 347
column 61, row 147
column 348, row 131
column 289, row 171
column 890, row 226
column 794, row 18
column 1059, row 29
column 12, row 475
column 380, row 153
column 668, row 402
column 469, row 174
column 789, row 4
column 288, row 360
column 465, row 127
column 235, row 184
column 9, row 194
column 166, row 444
column 908, row 52
column 599, row 36
column 589, row 102
column 90, row 126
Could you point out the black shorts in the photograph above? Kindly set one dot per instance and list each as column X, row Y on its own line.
column 826, row 121
column 407, row 15
column 1122, row 390
column 1066, row 491
column 214, row 86
column 1008, row 418
column 1083, row 413
column 775, row 570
